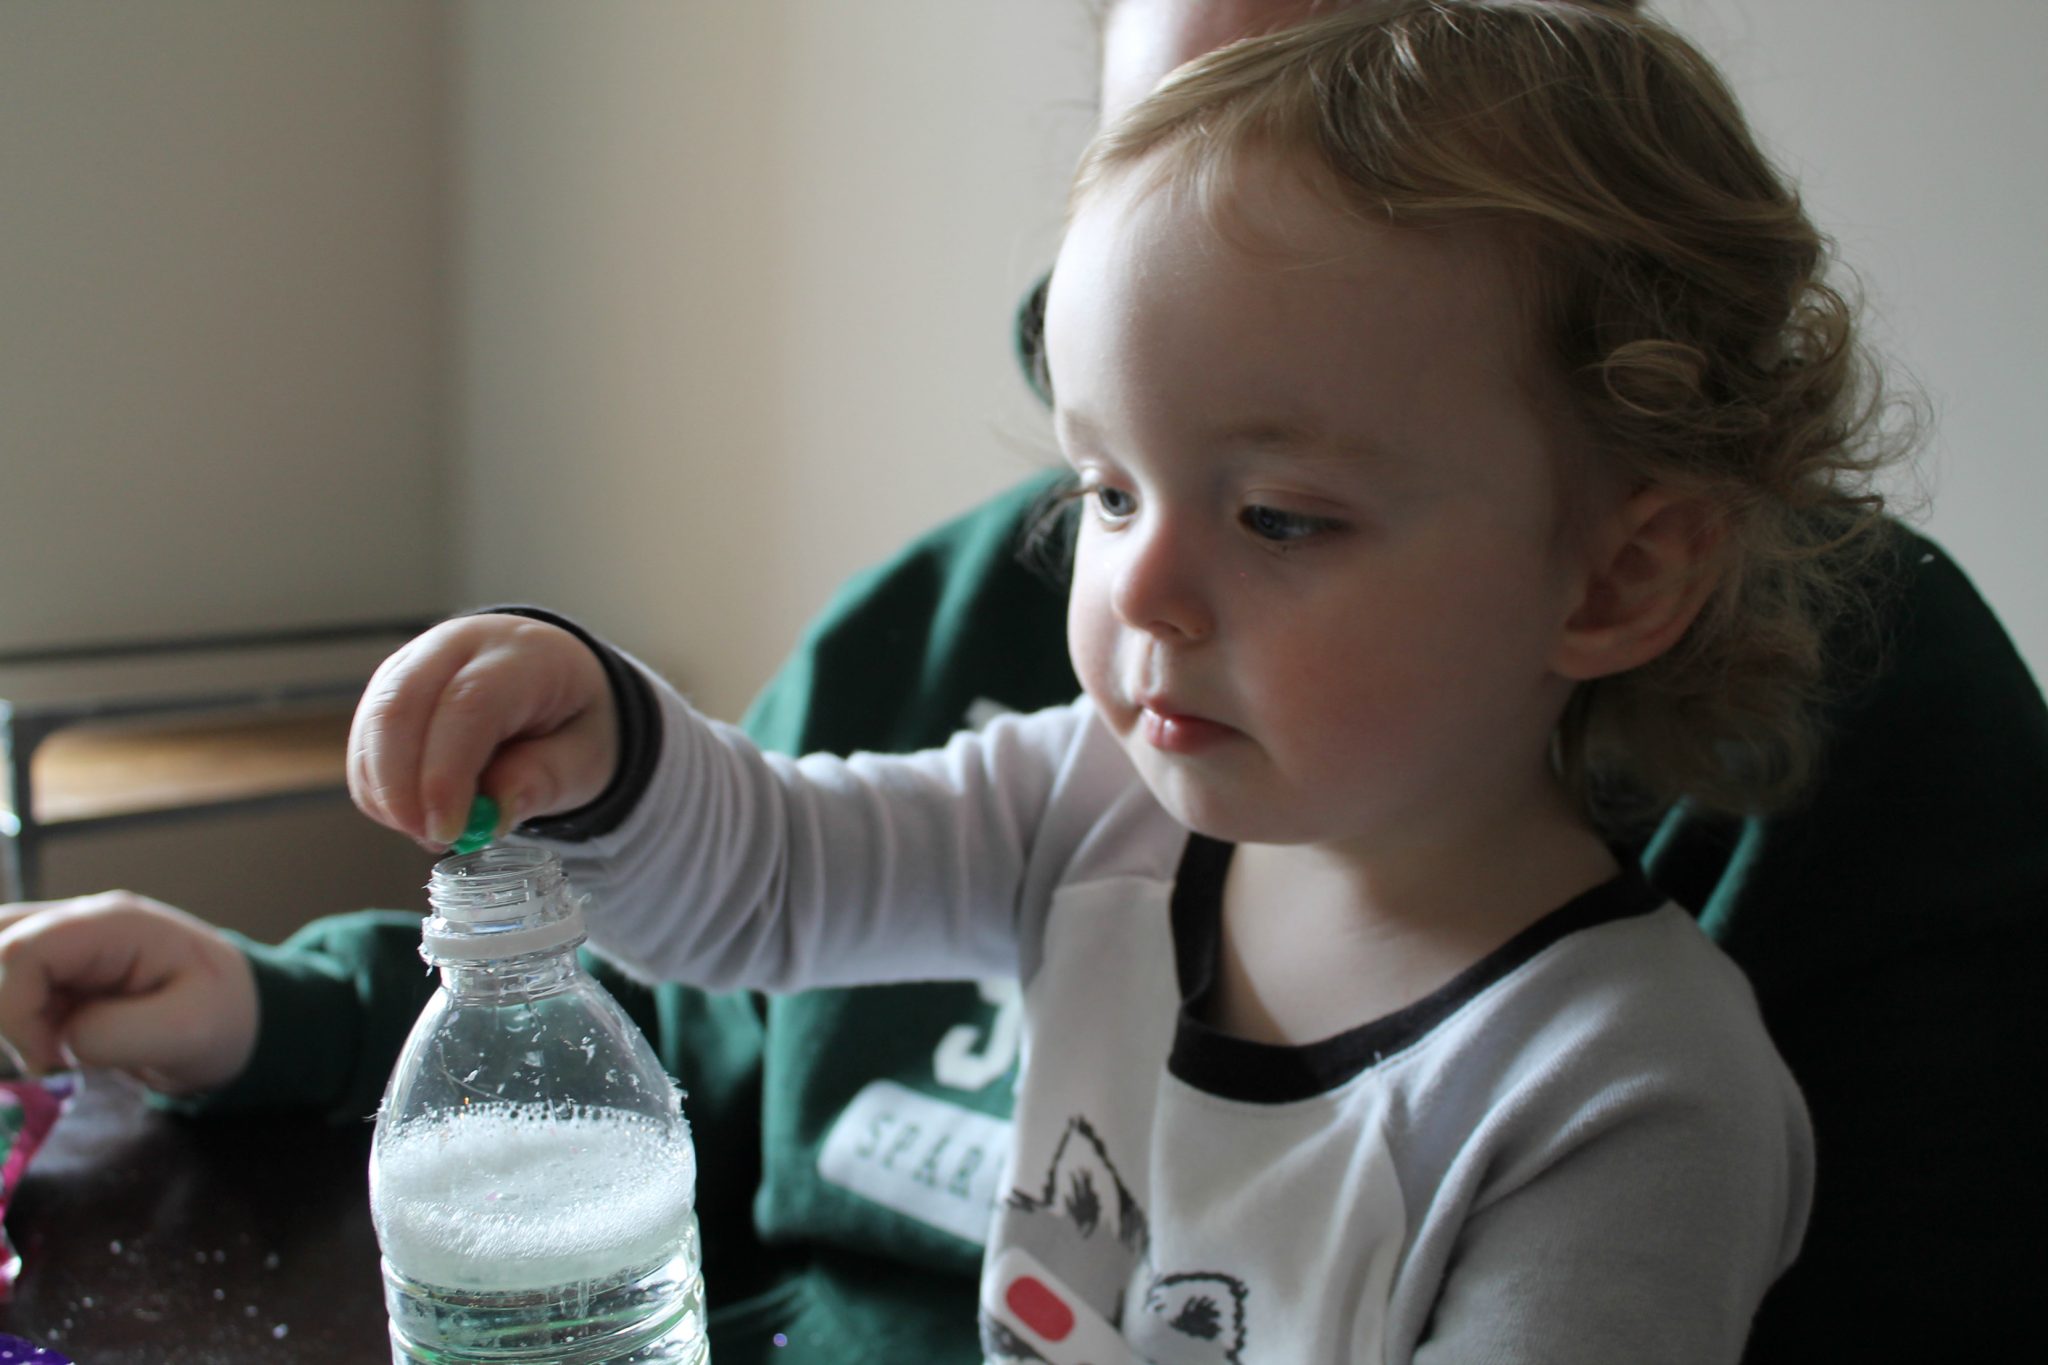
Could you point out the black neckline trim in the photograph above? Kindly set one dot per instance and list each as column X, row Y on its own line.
column 1270, row 1073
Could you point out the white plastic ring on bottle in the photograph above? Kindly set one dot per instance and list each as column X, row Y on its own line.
column 468, row 945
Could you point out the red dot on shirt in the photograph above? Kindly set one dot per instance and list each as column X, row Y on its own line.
column 1043, row 1311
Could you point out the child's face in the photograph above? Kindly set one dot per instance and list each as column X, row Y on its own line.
column 1320, row 576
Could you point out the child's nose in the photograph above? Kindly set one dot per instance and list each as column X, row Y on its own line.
column 1160, row 587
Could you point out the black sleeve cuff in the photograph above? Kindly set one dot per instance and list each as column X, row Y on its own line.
column 639, row 739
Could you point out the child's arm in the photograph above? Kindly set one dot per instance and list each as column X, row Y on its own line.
column 722, row 867
column 739, row 869
column 119, row 980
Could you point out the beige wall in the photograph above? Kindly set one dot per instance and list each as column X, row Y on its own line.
column 222, row 373
column 221, row 316
column 734, row 277
column 1917, row 132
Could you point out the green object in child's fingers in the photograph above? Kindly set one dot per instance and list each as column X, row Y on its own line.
column 482, row 827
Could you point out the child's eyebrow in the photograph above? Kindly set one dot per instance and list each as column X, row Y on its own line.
column 1282, row 438
column 1304, row 441
column 1309, row 446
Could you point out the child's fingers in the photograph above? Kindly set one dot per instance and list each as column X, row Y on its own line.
column 42, row 950
column 556, row 772
column 437, row 714
column 489, row 702
column 193, row 1033
column 528, row 720
column 387, row 739
column 387, row 725
column 118, row 979
column 17, row 911
column 438, row 710
column 30, row 1034
column 25, row 989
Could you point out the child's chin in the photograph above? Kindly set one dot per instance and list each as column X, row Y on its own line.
column 1214, row 815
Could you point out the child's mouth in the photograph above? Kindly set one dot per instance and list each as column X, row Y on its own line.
column 1175, row 733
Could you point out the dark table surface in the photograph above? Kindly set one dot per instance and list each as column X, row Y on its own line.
column 150, row 1239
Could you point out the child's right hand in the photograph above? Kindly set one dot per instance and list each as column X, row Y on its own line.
column 119, row 980
column 516, row 708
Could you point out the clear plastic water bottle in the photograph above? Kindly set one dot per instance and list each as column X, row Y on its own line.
column 532, row 1181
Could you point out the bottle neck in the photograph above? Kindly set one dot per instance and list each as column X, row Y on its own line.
column 499, row 911
column 511, row 980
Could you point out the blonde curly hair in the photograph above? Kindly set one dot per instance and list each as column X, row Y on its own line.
column 1677, row 285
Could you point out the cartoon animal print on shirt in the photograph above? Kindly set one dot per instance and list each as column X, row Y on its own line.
column 1084, row 1222
column 1089, row 1238
column 1190, row 1320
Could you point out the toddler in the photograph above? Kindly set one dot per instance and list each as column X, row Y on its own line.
column 1468, row 457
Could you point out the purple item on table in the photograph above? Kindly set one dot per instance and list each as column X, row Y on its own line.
column 28, row 1111
column 14, row 1348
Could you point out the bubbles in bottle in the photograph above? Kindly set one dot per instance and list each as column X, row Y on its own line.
column 514, row 1197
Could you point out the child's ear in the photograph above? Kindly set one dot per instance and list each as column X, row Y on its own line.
column 1655, row 562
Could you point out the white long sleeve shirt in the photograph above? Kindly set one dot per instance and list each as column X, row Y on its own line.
column 1583, row 1149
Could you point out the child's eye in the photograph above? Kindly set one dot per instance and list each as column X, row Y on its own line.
column 1270, row 523
column 1114, row 503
